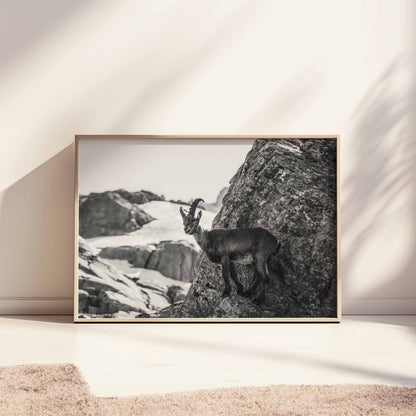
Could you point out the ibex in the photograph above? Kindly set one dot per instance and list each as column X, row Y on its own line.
column 233, row 245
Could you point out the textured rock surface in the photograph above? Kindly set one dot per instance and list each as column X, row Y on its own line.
column 289, row 188
column 109, row 213
column 105, row 291
column 175, row 294
column 173, row 259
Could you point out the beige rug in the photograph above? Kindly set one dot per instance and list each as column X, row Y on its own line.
column 60, row 390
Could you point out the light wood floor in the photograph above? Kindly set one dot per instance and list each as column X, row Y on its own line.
column 131, row 359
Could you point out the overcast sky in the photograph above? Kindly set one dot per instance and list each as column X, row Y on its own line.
column 179, row 169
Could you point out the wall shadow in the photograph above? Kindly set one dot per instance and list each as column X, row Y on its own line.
column 379, row 193
column 38, row 18
column 51, row 319
column 406, row 321
column 37, row 230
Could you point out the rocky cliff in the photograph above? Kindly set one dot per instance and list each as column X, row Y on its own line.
column 289, row 188
column 104, row 291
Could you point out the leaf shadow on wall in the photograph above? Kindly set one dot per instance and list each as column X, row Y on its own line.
column 37, row 231
column 379, row 193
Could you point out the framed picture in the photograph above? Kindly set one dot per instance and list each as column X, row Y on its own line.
column 207, row 228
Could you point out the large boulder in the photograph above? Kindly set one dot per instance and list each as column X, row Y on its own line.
column 289, row 188
column 174, row 259
column 108, row 213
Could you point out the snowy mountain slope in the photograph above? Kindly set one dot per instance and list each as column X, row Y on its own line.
column 166, row 226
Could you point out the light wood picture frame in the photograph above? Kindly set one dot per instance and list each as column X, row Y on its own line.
column 207, row 228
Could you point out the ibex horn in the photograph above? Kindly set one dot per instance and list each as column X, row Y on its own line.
column 193, row 207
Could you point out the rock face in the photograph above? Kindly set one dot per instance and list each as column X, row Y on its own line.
column 104, row 291
column 289, row 188
column 109, row 213
column 174, row 259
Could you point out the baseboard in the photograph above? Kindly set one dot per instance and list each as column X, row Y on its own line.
column 64, row 306
column 36, row 306
column 379, row 307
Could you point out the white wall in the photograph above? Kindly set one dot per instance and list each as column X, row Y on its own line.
column 208, row 67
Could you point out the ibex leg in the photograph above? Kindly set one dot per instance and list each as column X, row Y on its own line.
column 256, row 282
column 261, row 279
column 225, row 261
column 239, row 286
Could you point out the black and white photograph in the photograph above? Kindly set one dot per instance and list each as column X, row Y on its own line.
column 219, row 228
